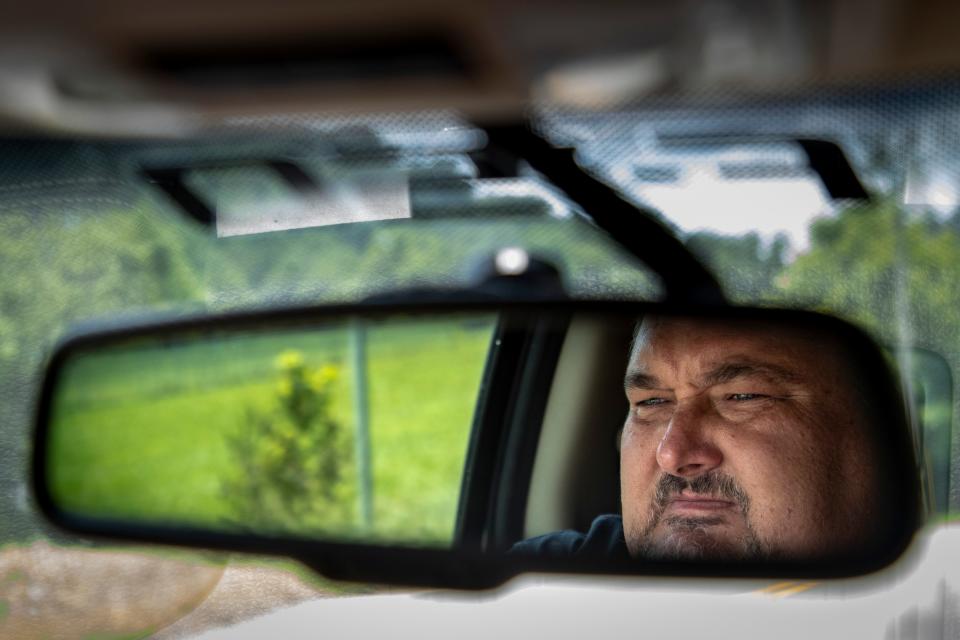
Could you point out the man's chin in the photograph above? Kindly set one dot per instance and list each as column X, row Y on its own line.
column 698, row 539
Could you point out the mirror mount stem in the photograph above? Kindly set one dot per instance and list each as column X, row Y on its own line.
column 685, row 278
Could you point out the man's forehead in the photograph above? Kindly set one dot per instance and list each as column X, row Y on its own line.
column 687, row 343
column 683, row 333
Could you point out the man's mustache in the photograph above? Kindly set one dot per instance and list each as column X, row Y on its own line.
column 714, row 484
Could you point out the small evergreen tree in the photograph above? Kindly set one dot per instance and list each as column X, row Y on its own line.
column 290, row 458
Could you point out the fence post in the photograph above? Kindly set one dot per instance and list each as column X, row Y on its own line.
column 358, row 351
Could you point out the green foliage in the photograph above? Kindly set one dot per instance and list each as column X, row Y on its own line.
column 866, row 263
column 744, row 264
column 877, row 263
column 57, row 270
column 289, row 459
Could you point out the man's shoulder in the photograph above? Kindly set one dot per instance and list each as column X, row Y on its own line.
column 603, row 539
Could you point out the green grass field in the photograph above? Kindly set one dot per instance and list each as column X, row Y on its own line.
column 141, row 432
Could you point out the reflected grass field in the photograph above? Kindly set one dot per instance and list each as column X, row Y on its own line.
column 141, row 432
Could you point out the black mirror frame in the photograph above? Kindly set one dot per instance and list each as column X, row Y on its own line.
column 471, row 569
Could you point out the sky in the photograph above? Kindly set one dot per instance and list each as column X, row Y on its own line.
column 703, row 201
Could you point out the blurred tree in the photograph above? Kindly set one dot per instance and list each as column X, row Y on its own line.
column 60, row 269
column 872, row 263
column 744, row 264
column 289, row 459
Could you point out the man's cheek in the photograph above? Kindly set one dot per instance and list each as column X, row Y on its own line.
column 638, row 494
column 638, row 463
column 783, row 516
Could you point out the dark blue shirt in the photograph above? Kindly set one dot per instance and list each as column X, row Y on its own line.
column 603, row 540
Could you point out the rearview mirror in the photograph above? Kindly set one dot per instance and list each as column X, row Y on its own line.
column 457, row 444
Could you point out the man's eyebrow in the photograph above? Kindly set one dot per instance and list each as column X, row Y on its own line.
column 637, row 379
column 739, row 368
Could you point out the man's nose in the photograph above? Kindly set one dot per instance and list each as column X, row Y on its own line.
column 687, row 449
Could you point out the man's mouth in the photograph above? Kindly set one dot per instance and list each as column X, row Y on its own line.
column 707, row 500
column 689, row 503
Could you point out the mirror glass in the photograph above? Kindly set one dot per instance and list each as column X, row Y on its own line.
column 349, row 429
column 744, row 437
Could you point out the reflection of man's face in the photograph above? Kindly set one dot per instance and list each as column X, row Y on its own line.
column 743, row 440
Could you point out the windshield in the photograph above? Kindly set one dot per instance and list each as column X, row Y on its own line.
column 92, row 232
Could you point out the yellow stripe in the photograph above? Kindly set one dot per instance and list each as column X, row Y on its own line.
column 803, row 586
column 775, row 587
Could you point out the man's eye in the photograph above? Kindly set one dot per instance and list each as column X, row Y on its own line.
column 743, row 397
column 651, row 402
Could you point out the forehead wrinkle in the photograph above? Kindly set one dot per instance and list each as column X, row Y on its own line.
column 735, row 367
column 712, row 373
